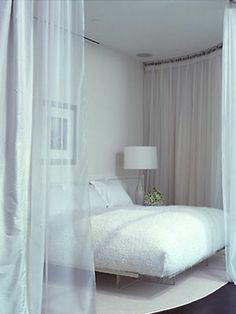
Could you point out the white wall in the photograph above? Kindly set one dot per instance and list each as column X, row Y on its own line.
column 114, row 97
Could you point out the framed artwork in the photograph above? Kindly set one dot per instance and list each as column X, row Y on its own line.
column 62, row 133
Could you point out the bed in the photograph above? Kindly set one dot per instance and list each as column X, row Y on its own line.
column 135, row 240
column 157, row 241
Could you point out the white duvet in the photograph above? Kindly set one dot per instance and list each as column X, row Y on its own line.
column 156, row 241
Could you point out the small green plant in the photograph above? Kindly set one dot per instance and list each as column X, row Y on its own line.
column 154, row 197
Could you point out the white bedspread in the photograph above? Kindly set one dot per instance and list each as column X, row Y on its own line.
column 157, row 241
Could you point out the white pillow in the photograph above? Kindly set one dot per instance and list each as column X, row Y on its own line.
column 113, row 193
column 96, row 202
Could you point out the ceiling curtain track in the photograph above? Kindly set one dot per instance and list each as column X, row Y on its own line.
column 186, row 57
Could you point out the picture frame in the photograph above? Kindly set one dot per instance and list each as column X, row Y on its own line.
column 62, row 143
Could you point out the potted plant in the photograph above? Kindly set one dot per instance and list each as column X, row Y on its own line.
column 153, row 198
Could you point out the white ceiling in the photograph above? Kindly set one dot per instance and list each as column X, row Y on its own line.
column 164, row 28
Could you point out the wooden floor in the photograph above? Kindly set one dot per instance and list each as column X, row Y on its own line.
column 223, row 301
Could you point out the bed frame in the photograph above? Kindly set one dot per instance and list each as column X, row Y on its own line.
column 120, row 274
column 129, row 183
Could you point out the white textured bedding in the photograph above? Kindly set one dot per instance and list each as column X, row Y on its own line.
column 157, row 241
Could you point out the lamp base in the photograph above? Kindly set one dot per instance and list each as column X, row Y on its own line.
column 139, row 192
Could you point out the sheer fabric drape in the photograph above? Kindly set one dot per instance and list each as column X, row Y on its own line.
column 182, row 117
column 228, row 138
column 16, row 90
column 46, row 260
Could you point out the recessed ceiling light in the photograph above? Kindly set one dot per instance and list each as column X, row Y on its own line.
column 144, row 55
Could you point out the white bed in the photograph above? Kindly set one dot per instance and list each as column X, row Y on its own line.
column 156, row 241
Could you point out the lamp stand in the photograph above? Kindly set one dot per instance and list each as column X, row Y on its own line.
column 139, row 192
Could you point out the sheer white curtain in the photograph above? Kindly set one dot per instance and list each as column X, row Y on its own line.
column 228, row 138
column 16, row 90
column 182, row 117
column 46, row 254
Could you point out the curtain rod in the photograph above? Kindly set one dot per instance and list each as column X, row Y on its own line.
column 91, row 40
column 186, row 57
column 73, row 33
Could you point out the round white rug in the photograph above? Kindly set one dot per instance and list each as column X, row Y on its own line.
column 141, row 297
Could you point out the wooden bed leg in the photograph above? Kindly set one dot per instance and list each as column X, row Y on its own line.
column 118, row 281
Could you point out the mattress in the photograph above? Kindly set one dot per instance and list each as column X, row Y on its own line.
column 156, row 241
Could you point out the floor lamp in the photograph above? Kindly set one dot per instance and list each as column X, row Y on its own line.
column 140, row 158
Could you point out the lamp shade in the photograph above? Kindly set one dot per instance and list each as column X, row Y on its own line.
column 140, row 157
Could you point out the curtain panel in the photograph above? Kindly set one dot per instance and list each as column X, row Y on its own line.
column 46, row 256
column 228, row 137
column 16, row 92
column 182, row 117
